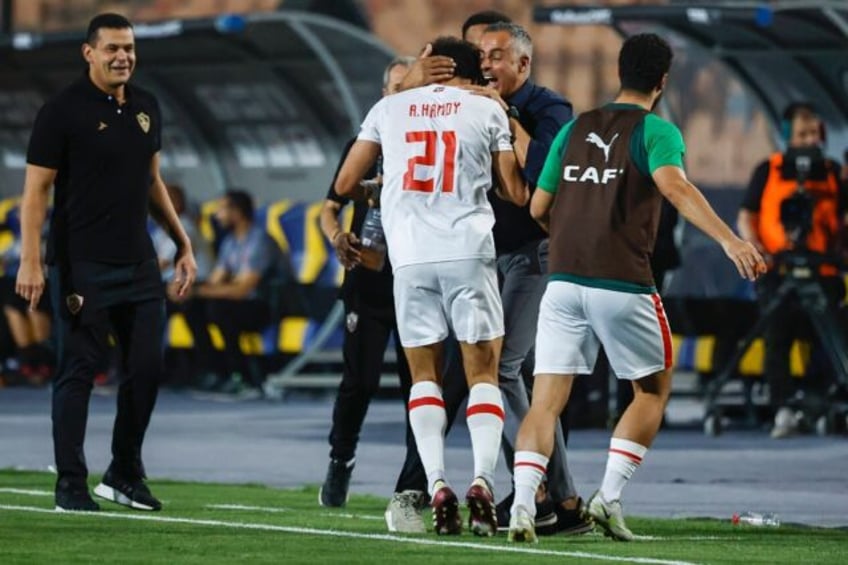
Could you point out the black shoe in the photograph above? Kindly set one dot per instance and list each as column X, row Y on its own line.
column 71, row 498
column 233, row 385
column 207, row 382
column 572, row 522
column 546, row 515
column 132, row 493
column 502, row 510
column 546, row 518
column 547, row 523
column 333, row 492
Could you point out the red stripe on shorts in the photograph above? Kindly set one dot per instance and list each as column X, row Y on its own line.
column 530, row 464
column 483, row 408
column 632, row 456
column 426, row 401
column 665, row 330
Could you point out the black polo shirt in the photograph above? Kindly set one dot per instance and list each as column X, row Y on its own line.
column 364, row 289
column 102, row 153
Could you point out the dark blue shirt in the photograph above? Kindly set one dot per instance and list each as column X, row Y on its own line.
column 542, row 112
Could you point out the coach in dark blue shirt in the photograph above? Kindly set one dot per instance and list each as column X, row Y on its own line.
column 536, row 114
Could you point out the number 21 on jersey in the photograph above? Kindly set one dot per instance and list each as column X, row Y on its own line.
column 426, row 157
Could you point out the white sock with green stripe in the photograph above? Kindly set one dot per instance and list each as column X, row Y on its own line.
column 623, row 459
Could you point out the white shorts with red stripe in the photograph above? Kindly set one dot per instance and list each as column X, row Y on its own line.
column 433, row 298
column 575, row 320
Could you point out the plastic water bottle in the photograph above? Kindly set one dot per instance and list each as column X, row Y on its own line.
column 373, row 250
column 756, row 519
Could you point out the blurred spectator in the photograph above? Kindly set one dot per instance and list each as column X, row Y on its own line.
column 237, row 294
column 474, row 26
column 29, row 328
column 194, row 363
column 761, row 221
column 164, row 245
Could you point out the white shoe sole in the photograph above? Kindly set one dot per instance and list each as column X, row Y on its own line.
column 60, row 509
column 421, row 529
column 105, row 491
column 388, row 516
column 522, row 535
column 321, row 501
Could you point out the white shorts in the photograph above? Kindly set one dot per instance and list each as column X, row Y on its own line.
column 432, row 298
column 574, row 320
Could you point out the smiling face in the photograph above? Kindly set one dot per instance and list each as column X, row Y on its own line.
column 502, row 65
column 111, row 58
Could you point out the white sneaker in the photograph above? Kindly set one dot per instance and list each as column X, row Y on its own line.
column 610, row 517
column 786, row 423
column 402, row 514
column 522, row 526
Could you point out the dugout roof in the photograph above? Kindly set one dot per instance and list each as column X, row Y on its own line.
column 263, row 102
column 783, row 51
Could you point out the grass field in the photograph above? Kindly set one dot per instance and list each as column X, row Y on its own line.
column 209, row 523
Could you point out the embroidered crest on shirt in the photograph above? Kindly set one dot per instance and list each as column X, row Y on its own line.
column 74, row 303
column 101, row 126
column 596, row 140
column 351, row 321
column 143, row 121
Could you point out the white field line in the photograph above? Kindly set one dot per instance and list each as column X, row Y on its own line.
column 27, row 492
column 687, row 538
column 274, row 510
column 342, row 534
column 269, row 509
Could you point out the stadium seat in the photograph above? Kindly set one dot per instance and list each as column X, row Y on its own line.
column 301, row 305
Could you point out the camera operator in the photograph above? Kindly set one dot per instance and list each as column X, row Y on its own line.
column 789, row 209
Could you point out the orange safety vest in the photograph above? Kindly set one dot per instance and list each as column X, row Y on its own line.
column 825, row 224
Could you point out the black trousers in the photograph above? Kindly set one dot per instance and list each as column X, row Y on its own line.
column 788, row 323
column 367, row 333
column 126, row 300
column 232, row 317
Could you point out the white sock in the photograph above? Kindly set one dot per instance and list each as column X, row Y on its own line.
column 485, row 419
column 428, row 421
column 623, row 459
column 529, row 469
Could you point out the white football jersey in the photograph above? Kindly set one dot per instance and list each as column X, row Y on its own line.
column 437, row 144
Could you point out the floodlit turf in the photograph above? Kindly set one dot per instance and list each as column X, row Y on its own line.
column 208, row 523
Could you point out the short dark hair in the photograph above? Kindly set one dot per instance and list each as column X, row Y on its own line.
column 796, row 109
column 484, row 17
column 110, row 21
column 464, row 54
column 242, row 201
column 642, row 62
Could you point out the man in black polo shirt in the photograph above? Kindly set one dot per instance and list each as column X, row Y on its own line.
column 98, row 143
